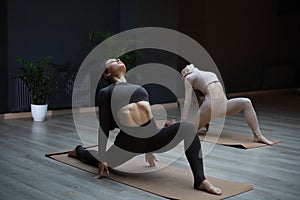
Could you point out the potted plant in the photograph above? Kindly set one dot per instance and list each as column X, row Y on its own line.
column 38, row 79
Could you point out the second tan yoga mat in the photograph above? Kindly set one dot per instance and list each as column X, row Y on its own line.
column 170, row 182
column 232, row 139
column 227, row 138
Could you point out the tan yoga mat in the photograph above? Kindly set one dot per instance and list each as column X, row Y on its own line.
column 226, row 138
column 170, row 182
column 233, row 139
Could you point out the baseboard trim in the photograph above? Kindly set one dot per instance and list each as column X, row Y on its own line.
column 49, row 112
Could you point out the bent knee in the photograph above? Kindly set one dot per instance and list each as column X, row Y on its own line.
column 246, row 102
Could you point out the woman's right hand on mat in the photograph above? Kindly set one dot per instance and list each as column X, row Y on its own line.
column 101, row 168
column 151, row 158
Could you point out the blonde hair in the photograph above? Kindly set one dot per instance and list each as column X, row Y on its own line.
column 187, row 70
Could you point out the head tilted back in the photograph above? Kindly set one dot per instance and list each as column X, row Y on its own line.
column 188, row 69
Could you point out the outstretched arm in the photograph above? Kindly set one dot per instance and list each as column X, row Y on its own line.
column 106, row 122
column 187, row 99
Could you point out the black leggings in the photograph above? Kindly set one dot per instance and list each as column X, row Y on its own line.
column 127, row 146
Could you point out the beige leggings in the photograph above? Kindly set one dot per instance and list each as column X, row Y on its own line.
column 216, row 104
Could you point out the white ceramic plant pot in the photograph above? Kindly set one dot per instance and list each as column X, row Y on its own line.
column 39, row 112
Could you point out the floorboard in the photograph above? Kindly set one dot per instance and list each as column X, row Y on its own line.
column 274, row 171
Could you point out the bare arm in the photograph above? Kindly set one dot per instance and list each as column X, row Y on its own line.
column 187, row 99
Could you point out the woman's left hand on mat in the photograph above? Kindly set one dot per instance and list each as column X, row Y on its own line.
column 151, row 158
column 102, row 167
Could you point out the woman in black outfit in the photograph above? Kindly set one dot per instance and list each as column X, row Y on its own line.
column 126, row 106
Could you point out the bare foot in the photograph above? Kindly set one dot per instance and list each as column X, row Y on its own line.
column 260, row 138
column 73, row 153
column 208, row 187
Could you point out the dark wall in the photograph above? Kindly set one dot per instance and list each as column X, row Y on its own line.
column 191, row 19
column 240, row 36
column 154, row 13
column 55, row 28
column 3, row 54
column 243, row 36
column 137, row 13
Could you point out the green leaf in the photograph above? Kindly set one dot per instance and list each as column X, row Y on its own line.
column 37, row 78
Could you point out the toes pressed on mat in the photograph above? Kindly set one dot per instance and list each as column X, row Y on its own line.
column 208, row 187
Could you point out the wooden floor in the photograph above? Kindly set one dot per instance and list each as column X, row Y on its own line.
column 274, row 171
